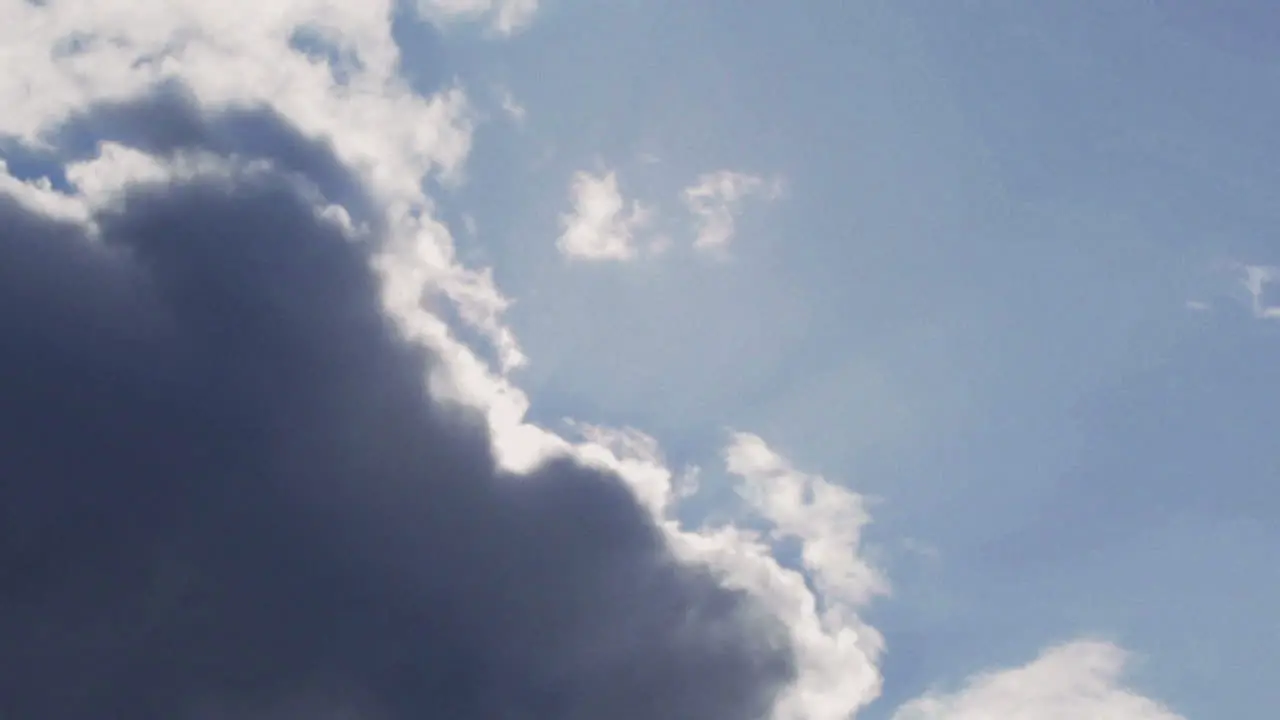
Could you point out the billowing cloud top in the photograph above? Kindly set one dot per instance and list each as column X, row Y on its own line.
column 227, row 493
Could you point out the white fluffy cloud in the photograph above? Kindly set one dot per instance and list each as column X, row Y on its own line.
column 505, row 16
column 600, row 226
column 1077, row 680
column 716, row 200
column 78, row 52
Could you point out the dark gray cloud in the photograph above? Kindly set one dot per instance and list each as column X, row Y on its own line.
column 224, row 493
column 170, row 121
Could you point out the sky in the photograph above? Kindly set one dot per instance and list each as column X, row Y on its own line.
column 552, row 359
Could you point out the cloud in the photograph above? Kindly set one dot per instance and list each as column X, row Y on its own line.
column 636, row 457
column 81, row 54
column 506, row 17
column 828, row 518
column 245, row 471
column 600, row 227
column 838, row 651
column 716, row 200
column 1076, row 680
column 1256, row 279
column 511, row 106
column 227, row 493
column 1246, row 284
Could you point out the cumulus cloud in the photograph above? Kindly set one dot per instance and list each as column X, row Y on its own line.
column 507, row 17
column 245, row 53
column 1076, row 680
column 600, row 227
column 226, row 492
column 716, row 200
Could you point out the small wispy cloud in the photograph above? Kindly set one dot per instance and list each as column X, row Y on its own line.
column 507, row 17
column 511, row 106
column 602, row 225
column 921, row 549
column 716, row 201
column 1255, row 280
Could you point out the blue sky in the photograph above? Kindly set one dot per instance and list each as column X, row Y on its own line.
column 971, row 302
column 988, row 271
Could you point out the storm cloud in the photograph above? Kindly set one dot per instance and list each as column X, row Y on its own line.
column 226, row 493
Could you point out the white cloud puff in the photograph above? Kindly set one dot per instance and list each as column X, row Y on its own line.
column 600, row 226
column 1076, row 680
